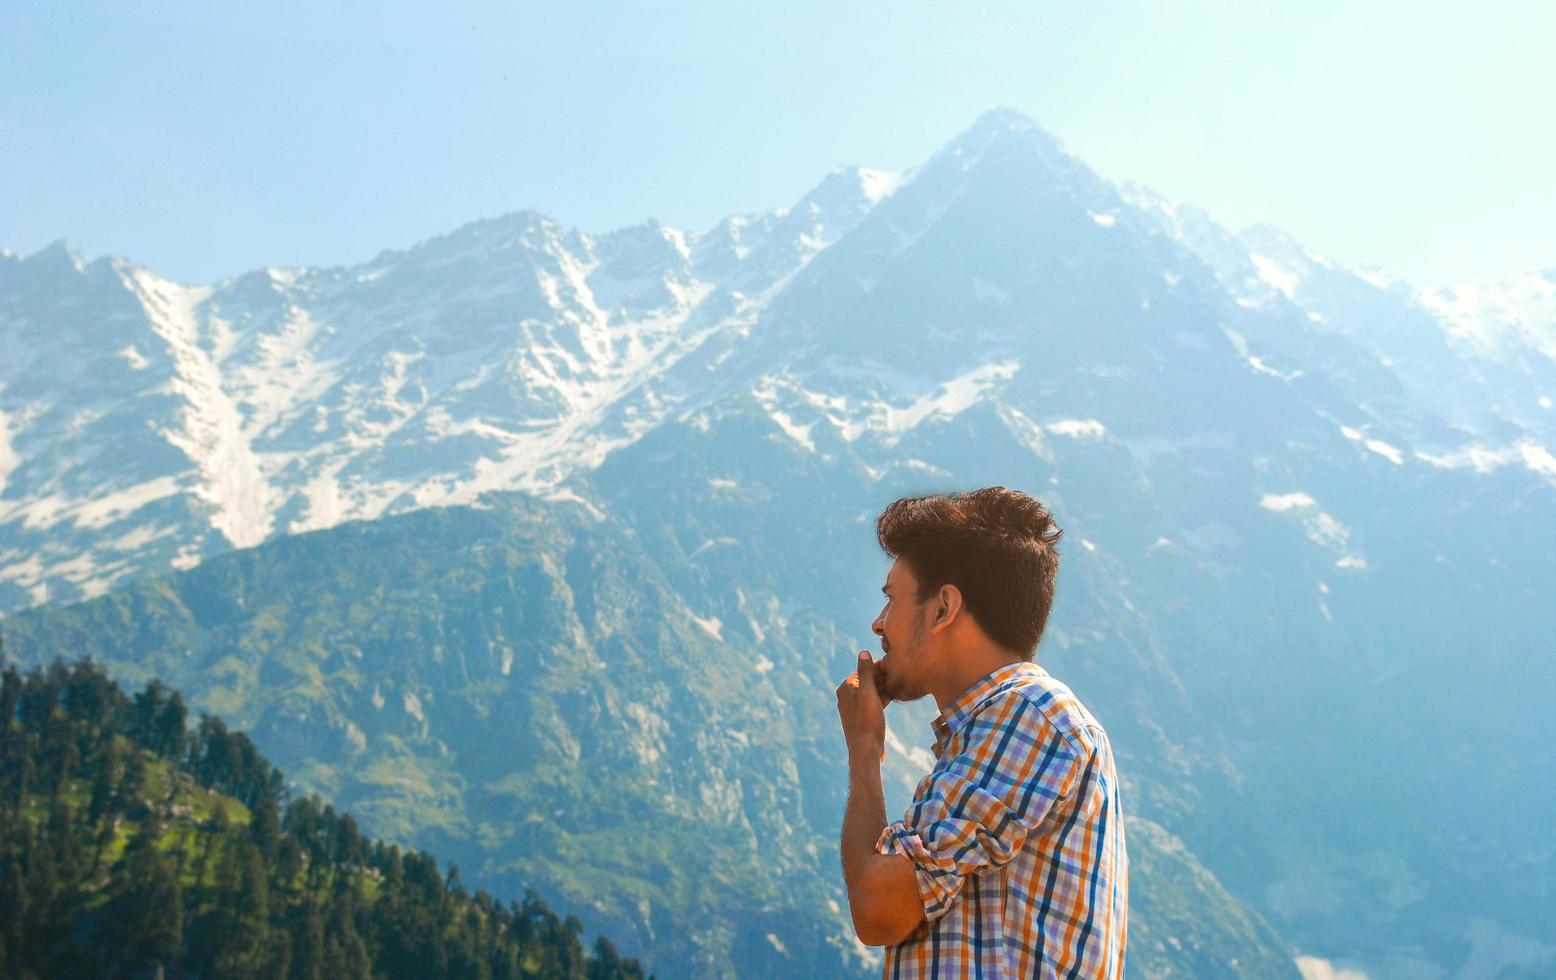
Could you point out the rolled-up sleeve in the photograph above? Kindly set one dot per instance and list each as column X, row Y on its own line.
column 972, row 814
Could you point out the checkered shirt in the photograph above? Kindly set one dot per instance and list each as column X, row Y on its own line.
column 1017, row 840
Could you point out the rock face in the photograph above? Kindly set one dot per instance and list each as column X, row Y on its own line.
column 1308, row 517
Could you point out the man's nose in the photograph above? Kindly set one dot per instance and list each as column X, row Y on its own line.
column 877, row 628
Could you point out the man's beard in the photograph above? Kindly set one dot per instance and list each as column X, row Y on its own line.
column 892, row 687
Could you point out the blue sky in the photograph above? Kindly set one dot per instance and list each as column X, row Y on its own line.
column 206, row 139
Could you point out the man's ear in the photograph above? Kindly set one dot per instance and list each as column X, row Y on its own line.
column 948, row 606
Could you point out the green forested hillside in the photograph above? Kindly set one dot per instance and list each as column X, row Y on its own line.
column 129, row 842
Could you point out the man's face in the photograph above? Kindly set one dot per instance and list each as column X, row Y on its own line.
column 903, row 630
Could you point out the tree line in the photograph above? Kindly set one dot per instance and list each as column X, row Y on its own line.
column 135, row 845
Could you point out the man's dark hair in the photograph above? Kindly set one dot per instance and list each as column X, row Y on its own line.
column 995, row 545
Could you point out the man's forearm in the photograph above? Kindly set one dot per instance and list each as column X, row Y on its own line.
column 864, row 818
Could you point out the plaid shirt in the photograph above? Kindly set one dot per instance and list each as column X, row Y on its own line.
column 1016, row 838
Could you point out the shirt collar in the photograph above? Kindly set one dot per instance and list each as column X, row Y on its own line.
column 955, row 716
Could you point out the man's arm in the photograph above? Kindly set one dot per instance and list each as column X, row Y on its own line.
column 882, row 888
column 883, row 895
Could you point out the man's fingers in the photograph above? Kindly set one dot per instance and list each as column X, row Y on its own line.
column 870, row 676
column 866, row 676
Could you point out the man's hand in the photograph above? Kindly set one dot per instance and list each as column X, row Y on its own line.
column 883, row 895
column 862, row 712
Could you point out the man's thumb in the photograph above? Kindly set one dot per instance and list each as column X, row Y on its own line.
column 865, row 663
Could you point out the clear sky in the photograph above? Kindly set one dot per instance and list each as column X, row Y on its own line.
column 207, row 139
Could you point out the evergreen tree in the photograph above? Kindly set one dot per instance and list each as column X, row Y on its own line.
column 144, row 916
column 239, row 930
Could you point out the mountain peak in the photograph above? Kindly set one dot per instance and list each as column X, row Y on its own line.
column 60, row 252
column 848, row 188
column 1003, row 118
column 997, row 126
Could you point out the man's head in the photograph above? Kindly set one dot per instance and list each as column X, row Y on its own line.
column 974, row 568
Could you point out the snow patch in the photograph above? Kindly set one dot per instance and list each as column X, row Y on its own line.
column 951, row 398
column 1317, row 968
column 713, row 543
column 138, row 538
column 568, row 495
column 9, row 460
column 1319, row 526
column 1026, row 432
column 28, row 574
column 799, row 433
column 412, row 705
column 766, row 394
column 1484, row 459
column 1240, row 343
column 1282, row 279
column 211, row 430
column 1388, row 452
column 1323, row 607
column 879, row 184
column 325, row 505
column 98, row 512
column 1538, row 458
column 1496, row 318
column 1372, row 277
column 1324, row 529
column 1078, row 428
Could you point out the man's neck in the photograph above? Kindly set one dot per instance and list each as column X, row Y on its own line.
column 968, row 668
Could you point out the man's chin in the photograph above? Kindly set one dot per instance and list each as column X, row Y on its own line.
column 890, row 690
column 883, row 682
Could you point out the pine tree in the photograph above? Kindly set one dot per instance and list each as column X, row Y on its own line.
column 13, row 906
column 308, row 944
column 144, row 916
column 242, row 922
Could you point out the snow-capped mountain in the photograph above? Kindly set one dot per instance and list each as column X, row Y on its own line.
column 1478, row 357
column 1308, row 509
column 145, row 423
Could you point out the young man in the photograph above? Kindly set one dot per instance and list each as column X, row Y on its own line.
column 1010, row 862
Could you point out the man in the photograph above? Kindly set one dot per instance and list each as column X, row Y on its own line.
column 1010, row 862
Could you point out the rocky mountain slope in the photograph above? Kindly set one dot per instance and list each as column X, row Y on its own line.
column 522, row 687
